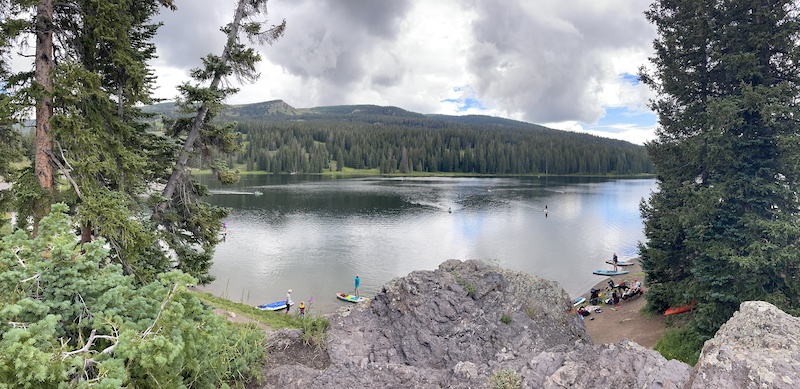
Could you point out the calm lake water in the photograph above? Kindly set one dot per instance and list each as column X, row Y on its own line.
column 313, row 234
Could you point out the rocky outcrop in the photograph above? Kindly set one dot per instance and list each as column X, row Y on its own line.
column 466, row 322
column 759, row 347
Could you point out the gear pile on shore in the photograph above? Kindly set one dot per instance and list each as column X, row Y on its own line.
column 468, row 324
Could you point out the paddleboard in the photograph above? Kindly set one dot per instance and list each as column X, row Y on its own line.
column 619, row 263
column 578, row 301
column 602, row 272
column 681, row 309
column 276, row 306
column 350, row 298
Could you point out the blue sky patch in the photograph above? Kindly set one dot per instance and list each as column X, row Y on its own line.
column 630, row 78
column 618, row 115
column 467, row 100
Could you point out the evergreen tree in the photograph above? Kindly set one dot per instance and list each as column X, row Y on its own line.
column 10, row 146
column 70, row 318
column 191, row 226
column 723, row 227
column 87, row 130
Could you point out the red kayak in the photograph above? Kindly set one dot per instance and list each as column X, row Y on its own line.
column 681, row 309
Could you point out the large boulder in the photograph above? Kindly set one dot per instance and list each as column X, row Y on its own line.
column 621, row 365
column 467, row 323
column 459, row 325
column 759, row 347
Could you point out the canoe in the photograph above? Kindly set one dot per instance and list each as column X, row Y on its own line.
column 350, row 298
column 619, row 263
column 276, row 306
column 578, row 301
column 603, row 272
column 681, row 309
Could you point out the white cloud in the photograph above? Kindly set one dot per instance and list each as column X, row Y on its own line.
column 550, row 62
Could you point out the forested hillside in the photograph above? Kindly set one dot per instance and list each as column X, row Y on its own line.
column 278, row 138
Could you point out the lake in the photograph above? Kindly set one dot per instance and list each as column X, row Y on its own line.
column 313, row 234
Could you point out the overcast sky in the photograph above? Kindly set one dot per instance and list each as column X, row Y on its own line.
column 563, row 64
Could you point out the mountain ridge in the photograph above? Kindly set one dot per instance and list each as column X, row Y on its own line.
column 279, row 110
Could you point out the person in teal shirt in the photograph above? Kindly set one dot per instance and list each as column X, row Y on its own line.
column 357, row 282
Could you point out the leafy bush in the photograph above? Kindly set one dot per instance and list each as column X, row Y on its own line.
column 682, row 344
column 71, row 318
column 505, row 379
column 506, row 318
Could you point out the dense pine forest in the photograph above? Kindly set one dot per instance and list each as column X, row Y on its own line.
column 276, row 138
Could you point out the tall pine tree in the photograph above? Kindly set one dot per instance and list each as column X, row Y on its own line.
column 90, row 74
column 191, row 226
column 723, row 228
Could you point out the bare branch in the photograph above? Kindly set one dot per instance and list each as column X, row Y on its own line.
column 16, row 254
column 163, row 306
column 64, row 171
column 33, row 277
column 87, row 348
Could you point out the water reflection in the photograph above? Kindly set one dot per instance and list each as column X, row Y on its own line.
column 313, row 234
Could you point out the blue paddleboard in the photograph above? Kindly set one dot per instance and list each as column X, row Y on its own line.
column 276, row 306
column 619, row 263
column 602, row 272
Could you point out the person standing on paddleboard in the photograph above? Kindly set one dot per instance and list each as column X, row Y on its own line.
column 357, row 282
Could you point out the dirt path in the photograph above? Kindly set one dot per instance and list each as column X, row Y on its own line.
column 625, row 320
column 235, row 318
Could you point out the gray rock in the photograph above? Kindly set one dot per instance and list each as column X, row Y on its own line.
column 756, row 348
column 459, row 325
column 621, row 365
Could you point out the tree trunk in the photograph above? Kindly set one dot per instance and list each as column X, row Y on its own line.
column 194, row 132
column 44, row 107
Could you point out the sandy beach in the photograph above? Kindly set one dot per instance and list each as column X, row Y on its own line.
column 624, row 320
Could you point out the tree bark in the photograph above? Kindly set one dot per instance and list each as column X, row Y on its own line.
column 44, row 107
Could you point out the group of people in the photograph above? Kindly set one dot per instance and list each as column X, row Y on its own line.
column 302, row 307
column 289, row 303
column 623, row 291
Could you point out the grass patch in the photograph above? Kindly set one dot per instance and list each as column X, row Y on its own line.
column 465, row 284
column 314, row 330
column 275, row 320
column 348, row 171
column 506, row 318
column 505, row 379
column 682, row 344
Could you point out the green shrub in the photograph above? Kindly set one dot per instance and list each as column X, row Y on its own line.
column 72, row 318
column 314, row 330
column 682, row 344
column 506, row 318
column 505, row 379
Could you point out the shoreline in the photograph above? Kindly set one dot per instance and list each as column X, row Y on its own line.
column 625, row 320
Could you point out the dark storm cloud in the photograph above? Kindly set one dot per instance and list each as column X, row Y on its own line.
column 549, row 63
